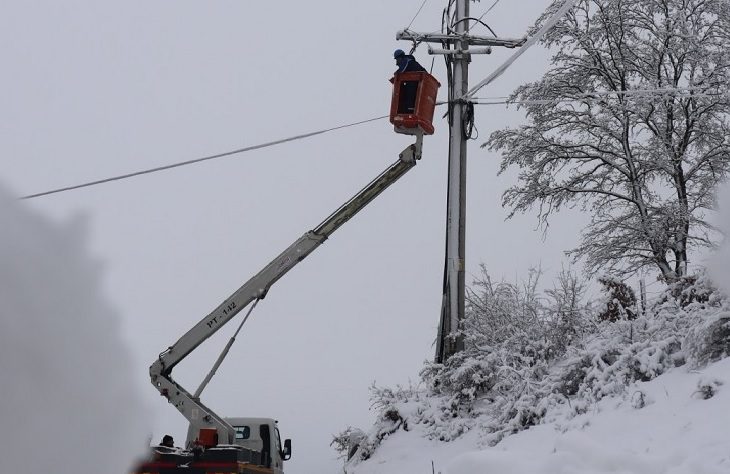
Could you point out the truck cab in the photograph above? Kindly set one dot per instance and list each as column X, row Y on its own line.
column 259, row 435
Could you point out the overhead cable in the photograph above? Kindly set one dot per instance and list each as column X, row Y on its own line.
column 205, row 158
column 683, row 92
column 417, row 13
column 476, row 20
column 489, row 9
column 606, row 93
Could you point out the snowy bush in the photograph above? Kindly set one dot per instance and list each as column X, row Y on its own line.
column 396, row 408
column 620, row 300
column 707, row 389
column 463, row 378
column 350, row 442
column 709, row 341
column 532, row 357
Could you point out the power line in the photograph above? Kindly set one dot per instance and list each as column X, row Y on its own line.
column 198, row 160
column 489, row 9
column 417, row 13
column 528, row 44
column 477, row 101
column 479, row 20
column 597, row 96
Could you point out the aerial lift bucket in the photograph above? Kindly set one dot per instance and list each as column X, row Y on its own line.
column 413, row 103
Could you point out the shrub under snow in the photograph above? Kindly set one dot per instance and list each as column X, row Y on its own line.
column 532, row 358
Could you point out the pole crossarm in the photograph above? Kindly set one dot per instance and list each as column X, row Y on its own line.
column 459, row 38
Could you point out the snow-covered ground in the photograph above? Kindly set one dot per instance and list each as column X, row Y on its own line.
column 676, row 423
column 677, row 431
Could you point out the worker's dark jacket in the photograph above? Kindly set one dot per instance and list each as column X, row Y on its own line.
column 408, row 89
column 409, row 64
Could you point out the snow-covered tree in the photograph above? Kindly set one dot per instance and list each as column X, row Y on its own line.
column 566, row 310
column 620, row 301
column 631, row 124
column 497, row 311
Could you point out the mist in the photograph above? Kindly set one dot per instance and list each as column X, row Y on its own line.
column 68, row 401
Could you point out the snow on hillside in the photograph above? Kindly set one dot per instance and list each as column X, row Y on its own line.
column 663, row 419
column 68, row 400
column 676, row 431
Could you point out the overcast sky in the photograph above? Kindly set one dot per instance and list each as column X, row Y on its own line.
column 93, row 89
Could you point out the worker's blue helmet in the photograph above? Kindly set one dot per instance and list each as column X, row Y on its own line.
column 398, row 53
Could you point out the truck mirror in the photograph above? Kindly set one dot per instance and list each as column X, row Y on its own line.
column 286, row 454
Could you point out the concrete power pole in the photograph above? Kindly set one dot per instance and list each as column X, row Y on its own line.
column 452, row 306
column 457, row 50
column 642, row 289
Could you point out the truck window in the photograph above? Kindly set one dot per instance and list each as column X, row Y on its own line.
column 242, row 432
column 265, row 434
column 278, row 440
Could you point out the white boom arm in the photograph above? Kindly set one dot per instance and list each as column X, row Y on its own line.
column 256, row 288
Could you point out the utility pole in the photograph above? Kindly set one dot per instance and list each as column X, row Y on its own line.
column 642, row 289
column 456, row 47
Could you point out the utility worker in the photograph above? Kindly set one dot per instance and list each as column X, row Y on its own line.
column 408, row 88
column 167, row 441
column 406, row 62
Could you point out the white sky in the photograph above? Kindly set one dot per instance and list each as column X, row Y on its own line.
column 94, row 89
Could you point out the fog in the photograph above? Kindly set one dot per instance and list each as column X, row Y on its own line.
column 69, row 404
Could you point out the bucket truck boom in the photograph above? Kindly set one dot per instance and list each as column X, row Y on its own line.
column 199, row 415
